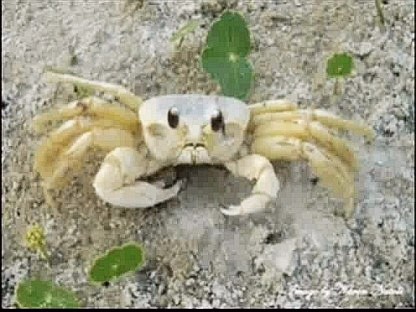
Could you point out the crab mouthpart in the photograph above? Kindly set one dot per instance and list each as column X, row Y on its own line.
column 194, row 153
column 194, row 145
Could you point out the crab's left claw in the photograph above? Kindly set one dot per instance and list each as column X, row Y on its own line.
column 116, row 181
column 259, row 168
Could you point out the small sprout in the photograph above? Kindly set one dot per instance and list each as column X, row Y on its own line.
column 135, row 4
column 179, row 36
column 73, row 60
column 380, row 12
column 117, row 262
column 338, row 66
column 35, row 240
column 44, row 294
column 224, row 56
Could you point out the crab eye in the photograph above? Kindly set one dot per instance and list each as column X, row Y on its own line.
column 217, row 121
column 173, row 117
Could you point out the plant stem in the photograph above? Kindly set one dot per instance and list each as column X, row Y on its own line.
column 380, row 12
column 336, row 87
column 44, row 253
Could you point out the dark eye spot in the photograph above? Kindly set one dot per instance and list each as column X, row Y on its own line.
column 217, row 121
column 173, row 117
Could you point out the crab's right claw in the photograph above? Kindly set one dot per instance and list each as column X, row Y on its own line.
column 265, row 190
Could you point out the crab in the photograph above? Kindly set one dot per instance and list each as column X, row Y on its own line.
column 143, row 137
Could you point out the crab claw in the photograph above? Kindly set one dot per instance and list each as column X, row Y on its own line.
column 255, row 203
column 231, row 210
column 265, row 190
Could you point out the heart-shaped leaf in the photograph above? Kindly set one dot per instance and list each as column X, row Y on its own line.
column 233, row 73
column 44, row 294
column 230, row 35
column 117, row 262
column 227, row 45
column 339, row 65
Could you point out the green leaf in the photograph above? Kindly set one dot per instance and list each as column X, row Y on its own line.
column 44, row 294
column 339, row 65
column 234, row 73
column 227, row 45
column 117, row 262
column 230, row 35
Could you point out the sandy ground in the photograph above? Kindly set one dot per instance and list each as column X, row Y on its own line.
column 298, row 253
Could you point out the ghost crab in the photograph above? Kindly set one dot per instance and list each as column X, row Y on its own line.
column 144, row 137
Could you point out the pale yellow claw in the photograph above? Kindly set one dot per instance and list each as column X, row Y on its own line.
column 252, row 204
column 264, row 191
column 116, row 182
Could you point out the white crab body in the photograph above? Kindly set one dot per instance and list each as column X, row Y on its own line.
column 144, row 137
column 192, row 140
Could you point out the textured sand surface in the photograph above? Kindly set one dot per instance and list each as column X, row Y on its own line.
column 298, row 253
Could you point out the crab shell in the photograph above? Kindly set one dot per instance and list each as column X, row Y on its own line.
column 193, row 140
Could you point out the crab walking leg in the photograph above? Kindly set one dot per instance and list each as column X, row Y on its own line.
column 116, row 183
column 90, row 106
column 331, row 120
column 324, row 117
column 71, row 159
column 266, row 188
column 125, row 96
column 333, row 173
column 309, row 130
column 50, row 151
column 335, row 176
column 272, row 106
column 269, row 107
